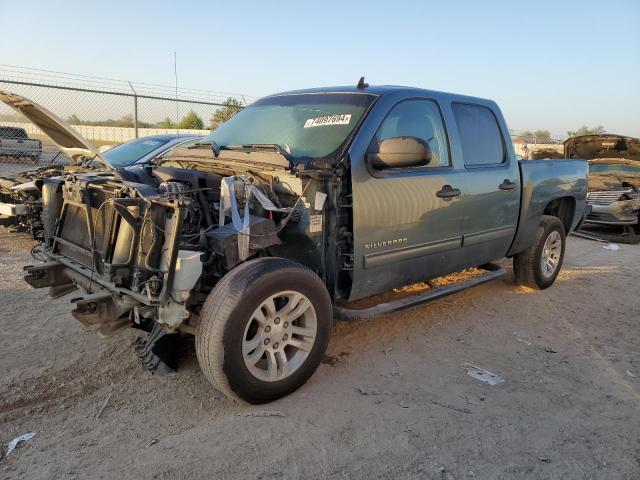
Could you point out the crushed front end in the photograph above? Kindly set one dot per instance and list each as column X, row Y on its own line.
column 617, row 206
column 145, row 252
column 614, row 178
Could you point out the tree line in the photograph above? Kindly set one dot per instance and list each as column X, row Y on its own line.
column 544, row 136
column 190, row 121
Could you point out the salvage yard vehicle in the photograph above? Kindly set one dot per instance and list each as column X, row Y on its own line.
column 255, row 237
column 15, row 143
column 614, row 178
column 21, row 194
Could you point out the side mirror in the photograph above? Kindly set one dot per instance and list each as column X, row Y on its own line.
column 401, row 152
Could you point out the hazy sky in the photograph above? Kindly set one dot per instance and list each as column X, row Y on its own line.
column 550, row 65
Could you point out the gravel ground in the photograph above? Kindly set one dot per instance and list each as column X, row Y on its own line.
column 391, row 400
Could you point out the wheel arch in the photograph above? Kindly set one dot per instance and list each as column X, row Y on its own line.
column 562, row 208
column 300, row 248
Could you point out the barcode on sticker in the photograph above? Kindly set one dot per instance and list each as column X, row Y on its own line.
column 328, row 120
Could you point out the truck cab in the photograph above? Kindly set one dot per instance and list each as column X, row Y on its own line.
column 458, row 207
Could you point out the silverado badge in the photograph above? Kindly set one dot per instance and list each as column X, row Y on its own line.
column 386, row 243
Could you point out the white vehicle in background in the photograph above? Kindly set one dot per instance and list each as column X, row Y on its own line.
column 15, row 144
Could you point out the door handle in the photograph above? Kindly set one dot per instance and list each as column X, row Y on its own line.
column 448, row 192
column 507, row 185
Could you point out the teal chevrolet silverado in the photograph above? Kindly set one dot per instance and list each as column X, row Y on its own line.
column 257, row 236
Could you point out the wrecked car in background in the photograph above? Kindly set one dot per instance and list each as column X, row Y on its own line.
column 255, row 237
column 614, row 178
column 21, row 194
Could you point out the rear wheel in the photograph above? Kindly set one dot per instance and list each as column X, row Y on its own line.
column 539, row 265
column 264, row 329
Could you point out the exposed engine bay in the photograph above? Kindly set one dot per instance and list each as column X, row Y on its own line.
column 151, row 249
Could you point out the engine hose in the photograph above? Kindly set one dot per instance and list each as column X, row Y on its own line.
column 205, row 208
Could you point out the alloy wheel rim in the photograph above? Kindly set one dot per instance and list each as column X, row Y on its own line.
column 551, row 254
column 279, row 336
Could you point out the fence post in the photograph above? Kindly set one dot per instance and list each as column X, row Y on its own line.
column 135, row 111
column 135, row 114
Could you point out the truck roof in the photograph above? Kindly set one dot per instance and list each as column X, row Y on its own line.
column 382, row 90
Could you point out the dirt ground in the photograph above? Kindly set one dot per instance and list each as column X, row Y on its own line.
column 391, row 400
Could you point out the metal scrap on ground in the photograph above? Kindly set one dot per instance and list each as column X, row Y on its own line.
column 261, row 413
column 526, row 342
column 482, row 374
column 20, row 438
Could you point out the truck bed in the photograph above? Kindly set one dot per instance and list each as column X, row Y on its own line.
column 545, row 181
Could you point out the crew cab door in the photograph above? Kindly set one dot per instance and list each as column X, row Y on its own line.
column 492, row 186
column 407, row 221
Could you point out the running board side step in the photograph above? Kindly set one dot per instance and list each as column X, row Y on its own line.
column 493, row 271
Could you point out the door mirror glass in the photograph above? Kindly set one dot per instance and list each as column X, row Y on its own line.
column 401, row 152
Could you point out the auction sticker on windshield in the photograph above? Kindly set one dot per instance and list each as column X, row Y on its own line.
column 328, row 120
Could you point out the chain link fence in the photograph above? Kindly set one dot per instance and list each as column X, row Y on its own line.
column 105, row 111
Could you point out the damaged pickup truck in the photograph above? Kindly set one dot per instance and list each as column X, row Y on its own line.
column 614, row 178
column 255, row 237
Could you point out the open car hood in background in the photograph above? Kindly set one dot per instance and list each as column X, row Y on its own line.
column 590, row 147
column 66, row 138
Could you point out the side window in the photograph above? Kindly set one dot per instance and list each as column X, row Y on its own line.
column 479, row 134
column 420, row 119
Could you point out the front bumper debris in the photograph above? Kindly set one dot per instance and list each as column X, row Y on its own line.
column 621, row 212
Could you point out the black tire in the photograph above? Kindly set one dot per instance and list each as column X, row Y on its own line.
column 227, row 312
column 527, row 265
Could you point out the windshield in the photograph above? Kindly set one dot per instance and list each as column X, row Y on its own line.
column 130, row 152
column 613, row 168
column 305, row 125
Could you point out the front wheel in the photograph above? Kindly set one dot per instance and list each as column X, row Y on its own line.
column 264, row 329
column 539, row 265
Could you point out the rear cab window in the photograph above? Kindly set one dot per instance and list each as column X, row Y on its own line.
column 480, row 136
column 13, row 132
